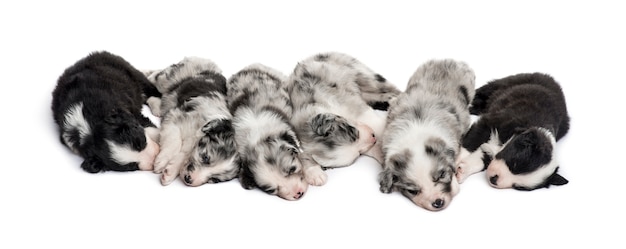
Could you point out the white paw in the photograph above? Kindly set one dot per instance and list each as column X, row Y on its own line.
column 316, row 176
column 460, row 172
column 160, row 163
column 468, row 164
column 155, row 106
column 168, row 176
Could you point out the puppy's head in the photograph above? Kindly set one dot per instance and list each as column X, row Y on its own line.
column 213, row 160
column 424, row 174
column 526, row 162
column 274, row 166
column 118, row 143
column 335, row 141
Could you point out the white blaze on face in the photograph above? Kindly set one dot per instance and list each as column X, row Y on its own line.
column 123, row 154
column 75, row 120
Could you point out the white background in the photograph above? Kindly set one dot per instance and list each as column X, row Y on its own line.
column 47, row 201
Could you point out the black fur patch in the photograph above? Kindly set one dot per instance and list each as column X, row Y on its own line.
column 379, row 105
column 399, row 162
column 198, row 86
column 486, row 160
column 380, row 78
column 290, row 139
column 246, row 177
column 321, row 57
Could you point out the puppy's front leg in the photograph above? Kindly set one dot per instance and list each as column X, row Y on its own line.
column 170, row 142
column 188, row 144
column 469, row 163
column 172, row 169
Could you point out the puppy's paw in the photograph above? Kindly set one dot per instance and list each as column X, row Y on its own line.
column 468, row 164
column 160, row 163
column 154, row 104
column 168, row 176
column 315, row 176
column 460, row 172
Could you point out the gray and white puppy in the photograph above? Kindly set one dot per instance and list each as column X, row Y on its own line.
column 423, row 134
column 334, row 96
column 197, row 137
column 267, row 143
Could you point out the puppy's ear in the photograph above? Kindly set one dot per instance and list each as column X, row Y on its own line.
column 92, row 165
column 291, row 138
column 322, row 124
column 218, row 126
column 246, row 178
column 387, row 179
column 557, row 180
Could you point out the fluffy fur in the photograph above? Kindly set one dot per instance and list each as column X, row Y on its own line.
column 424, row 129
column 197, row 137
column 267, row 143
column 333, row 96
column 97, row 106
column 521, row 117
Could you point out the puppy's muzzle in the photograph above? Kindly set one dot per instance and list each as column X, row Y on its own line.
column 439, row 203
column 298, row 195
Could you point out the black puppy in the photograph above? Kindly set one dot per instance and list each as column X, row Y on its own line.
column 520, row 119
column 97, row 106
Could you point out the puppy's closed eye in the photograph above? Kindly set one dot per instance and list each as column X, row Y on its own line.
column 291, row 170
column 269, row 189
column 412, row 192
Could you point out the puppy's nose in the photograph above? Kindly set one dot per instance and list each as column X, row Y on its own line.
column 187, row 179
column 494, row 180
column 438, row 203
column 298, row 195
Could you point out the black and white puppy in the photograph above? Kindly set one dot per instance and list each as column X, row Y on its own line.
column 97, row 106
column 197, row 137
column 423, row 134
column 267, row 143
column 521, row 117
column 333, row 96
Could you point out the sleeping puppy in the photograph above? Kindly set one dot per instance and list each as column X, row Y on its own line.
column 423, row 134
column 97, row 106
column 267, row 143
column 333, row 96
column 520, row 119
column 197, row 137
